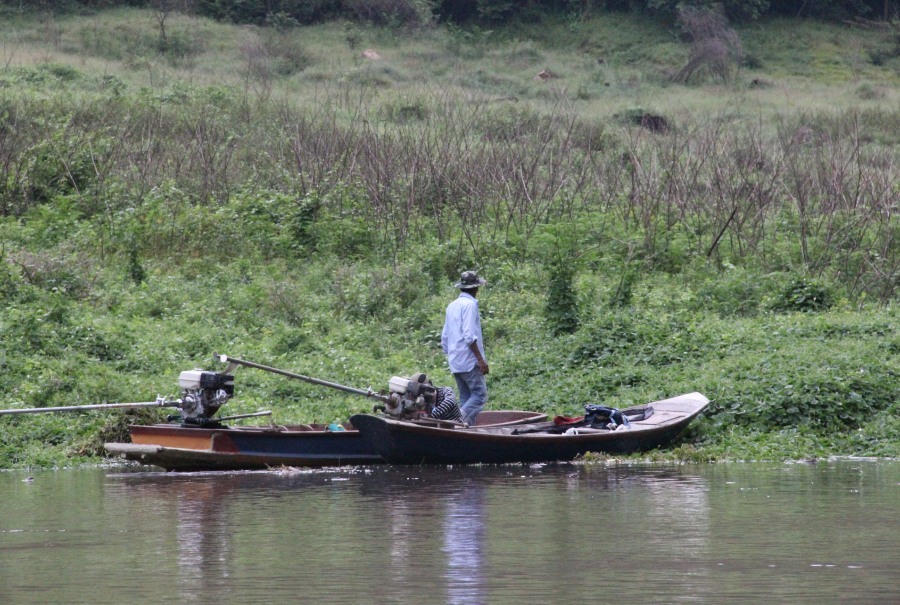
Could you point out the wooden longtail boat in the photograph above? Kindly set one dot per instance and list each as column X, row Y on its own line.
column 176, row 447
column 400, row 442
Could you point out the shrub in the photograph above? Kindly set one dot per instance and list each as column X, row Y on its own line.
column 9, row 282
column 405, row 109
column 715, row 46
column 59, row 165
column 561, row 309
column 734, row 292
column 135, row 269
column 509, row 123
column 833, row 397
column 657, row 340
column 622, row 295
column 377, row 292
column 651, row 121
column 301, row 221
column 392, row 13
column 64, row 272
column 277, row 53
column 803, row 295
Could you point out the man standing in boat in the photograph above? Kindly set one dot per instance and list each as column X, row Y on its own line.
column 463, row 344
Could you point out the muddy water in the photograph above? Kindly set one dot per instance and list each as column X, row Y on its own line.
column 787, row 533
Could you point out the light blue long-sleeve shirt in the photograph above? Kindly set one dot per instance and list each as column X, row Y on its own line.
column 462, row 327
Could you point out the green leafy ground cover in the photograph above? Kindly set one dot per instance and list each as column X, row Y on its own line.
column 274, row 196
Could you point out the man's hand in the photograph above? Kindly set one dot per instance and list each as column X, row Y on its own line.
column 482, row 364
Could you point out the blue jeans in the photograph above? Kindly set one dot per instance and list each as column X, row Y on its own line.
column 472, row 393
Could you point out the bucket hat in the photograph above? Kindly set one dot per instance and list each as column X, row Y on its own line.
column 469, row 280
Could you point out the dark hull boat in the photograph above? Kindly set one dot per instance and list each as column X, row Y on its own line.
column 400, row 442
column 183, row 448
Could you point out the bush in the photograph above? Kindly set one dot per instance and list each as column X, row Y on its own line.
column 561, row 309
column 837, row 397
column 803, row 295
column 734, row 292
column 715, row 47
column 9, row 281
column 64, row 272
column 654, row 339
column 280, row 53
column 60, row 165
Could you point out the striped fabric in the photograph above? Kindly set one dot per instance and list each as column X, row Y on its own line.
column 445, row 407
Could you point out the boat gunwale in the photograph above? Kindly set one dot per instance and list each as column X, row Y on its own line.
column 509, row 432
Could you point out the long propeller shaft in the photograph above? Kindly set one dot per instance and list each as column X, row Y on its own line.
column 250, row 364
column 98, row 406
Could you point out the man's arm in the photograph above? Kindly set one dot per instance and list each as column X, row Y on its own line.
column 482, row 364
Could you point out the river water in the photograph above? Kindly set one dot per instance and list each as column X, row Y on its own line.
column 827, row 532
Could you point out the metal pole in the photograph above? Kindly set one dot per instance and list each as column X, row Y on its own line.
column 238, row 416
column 333, row 385
column 98, row 406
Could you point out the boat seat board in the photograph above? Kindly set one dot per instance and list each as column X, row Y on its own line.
column 131, row 448
column 681, row 407
column 660, row 417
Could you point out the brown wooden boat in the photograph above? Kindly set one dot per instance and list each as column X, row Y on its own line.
column 177, row 447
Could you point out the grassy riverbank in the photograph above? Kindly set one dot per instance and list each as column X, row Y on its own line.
column 276, row 196
column 783, row 385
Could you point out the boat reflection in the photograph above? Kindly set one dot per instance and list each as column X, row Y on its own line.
column 457, row 535
column 203, row 539
column 197, row 540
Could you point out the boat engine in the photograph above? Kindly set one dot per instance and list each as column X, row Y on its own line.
column 203, row 393
column 408, row 398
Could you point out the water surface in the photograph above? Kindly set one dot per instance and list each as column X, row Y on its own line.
column 788, row 533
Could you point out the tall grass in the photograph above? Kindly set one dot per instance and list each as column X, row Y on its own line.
column 819, row 196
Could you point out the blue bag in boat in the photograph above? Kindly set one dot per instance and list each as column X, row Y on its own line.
column 601, row 417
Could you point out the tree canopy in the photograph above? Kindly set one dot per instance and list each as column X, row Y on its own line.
column 487, row 12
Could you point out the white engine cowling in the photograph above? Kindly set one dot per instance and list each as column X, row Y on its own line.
column 408, row 398
column 203, row 393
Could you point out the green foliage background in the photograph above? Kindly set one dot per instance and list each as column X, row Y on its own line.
column 150, row 217
column 493, row 12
